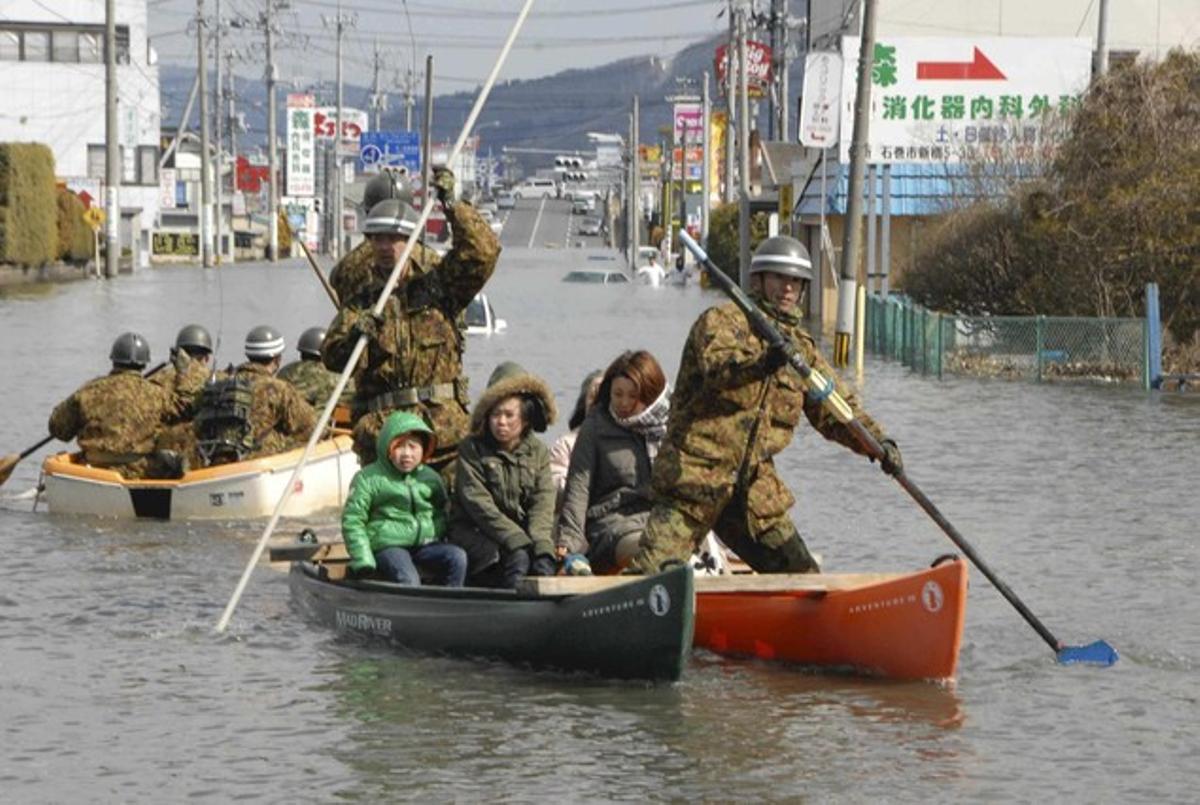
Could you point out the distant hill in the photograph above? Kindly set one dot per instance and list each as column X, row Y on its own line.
column 553, row 112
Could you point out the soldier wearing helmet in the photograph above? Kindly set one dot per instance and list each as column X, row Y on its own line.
column 737, row 404
column 310, row 377
column 194, row 340
column 117, row 418
column 252, row 413
column 413, row 360
column 354, row 272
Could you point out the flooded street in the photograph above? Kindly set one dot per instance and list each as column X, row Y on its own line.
column 1084, row 499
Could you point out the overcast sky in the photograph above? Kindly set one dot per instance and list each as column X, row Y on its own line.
column 464, row 36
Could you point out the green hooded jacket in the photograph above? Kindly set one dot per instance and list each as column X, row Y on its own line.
column 389, row 508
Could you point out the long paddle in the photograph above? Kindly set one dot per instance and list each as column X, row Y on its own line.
column 822, row 388
column 395, row 277
column 9, row 462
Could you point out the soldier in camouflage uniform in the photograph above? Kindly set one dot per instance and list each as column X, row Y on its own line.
column 197, row 343
column 413, row 358
column 118, row 417
column 737, row 403
column 310, row 377
column 278, row 419
column 356, row 270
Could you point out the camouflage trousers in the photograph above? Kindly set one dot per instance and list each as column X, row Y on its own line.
column 694, row 495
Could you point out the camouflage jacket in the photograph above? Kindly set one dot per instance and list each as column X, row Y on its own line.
column 725, row 403
column 419, row 343
column 196, row 375
column 356, row 271
column 118, row 415
column 278, row 410
column 314, row 382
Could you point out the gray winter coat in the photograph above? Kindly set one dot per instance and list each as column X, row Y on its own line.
column 608, row 488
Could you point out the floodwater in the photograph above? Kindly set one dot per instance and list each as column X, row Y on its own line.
column 114, row 687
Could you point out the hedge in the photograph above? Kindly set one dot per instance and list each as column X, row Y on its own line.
column 74, row 235
column 28, row 204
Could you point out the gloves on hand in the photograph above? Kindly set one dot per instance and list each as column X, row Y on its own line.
column 368, row 324
column 543, row 565
column 774, row 359
column 892, row 463
column 443, row 184
column 180, row 359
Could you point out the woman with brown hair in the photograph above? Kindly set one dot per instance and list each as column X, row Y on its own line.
column 607, row 496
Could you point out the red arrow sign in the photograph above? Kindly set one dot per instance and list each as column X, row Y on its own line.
column 979, row 69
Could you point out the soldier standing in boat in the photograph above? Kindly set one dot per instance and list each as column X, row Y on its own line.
column 310, row 377
column 737, row 403
column 252, row 413
column 413, row 359
column 118, row 417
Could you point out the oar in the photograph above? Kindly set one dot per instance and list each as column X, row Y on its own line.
column 822, row 388
column 316, row 267
column 9, row 462
column 395, row 277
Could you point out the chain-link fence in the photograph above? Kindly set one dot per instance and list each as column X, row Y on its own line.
column 1023, row 347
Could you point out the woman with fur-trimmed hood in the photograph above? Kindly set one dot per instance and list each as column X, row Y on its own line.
column 503, row 512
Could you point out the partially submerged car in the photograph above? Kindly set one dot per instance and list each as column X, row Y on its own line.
column 596, row 276
column 481, row 318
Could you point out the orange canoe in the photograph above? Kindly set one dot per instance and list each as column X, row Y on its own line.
column 897, row 625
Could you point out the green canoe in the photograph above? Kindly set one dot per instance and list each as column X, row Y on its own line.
column 639, row 630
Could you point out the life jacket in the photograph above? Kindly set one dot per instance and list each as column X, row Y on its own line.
column 224, row 432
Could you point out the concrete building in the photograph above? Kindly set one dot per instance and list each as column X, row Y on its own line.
column 52, row 64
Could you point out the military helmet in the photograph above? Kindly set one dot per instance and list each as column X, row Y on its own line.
column 263, row 342
column 130, row 349
column 391, row 216
column 388, row 184
column 782, row 255
column 311, row 340
column 194, row 338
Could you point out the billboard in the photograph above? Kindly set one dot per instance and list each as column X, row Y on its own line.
column 942, row 99
column 390, row 149
column 354, row 123
column 689, row 120
column 820, row 103
column 301, row 148
column 758, row 67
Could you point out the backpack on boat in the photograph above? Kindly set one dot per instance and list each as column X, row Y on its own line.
column 224, row 434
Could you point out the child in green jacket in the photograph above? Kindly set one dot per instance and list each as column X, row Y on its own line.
column 395, row 518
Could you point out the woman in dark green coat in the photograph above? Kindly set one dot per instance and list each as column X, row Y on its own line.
column 504, row 495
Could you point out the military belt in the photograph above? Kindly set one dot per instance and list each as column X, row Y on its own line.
column 411, row 395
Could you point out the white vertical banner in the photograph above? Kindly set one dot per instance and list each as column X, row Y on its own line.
column 820, row 103
column 301, row 147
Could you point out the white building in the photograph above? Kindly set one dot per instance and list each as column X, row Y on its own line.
column 52, row 71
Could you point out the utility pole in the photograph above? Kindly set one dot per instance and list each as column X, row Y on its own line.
column 206, row 259
column 220, row 137
column 378, row 98
column 112, row 153
column 635, row 191
column 340, row 24
column 743, row 156
column 1102, row 41
column 408, row 100
column 427, row 131
column 847, row 288
column 233, row 127
column 706, row 163
column 730, row 94
column 781, row 68
column 272, row 145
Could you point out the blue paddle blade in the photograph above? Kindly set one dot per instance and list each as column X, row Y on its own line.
column 1098, row 653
